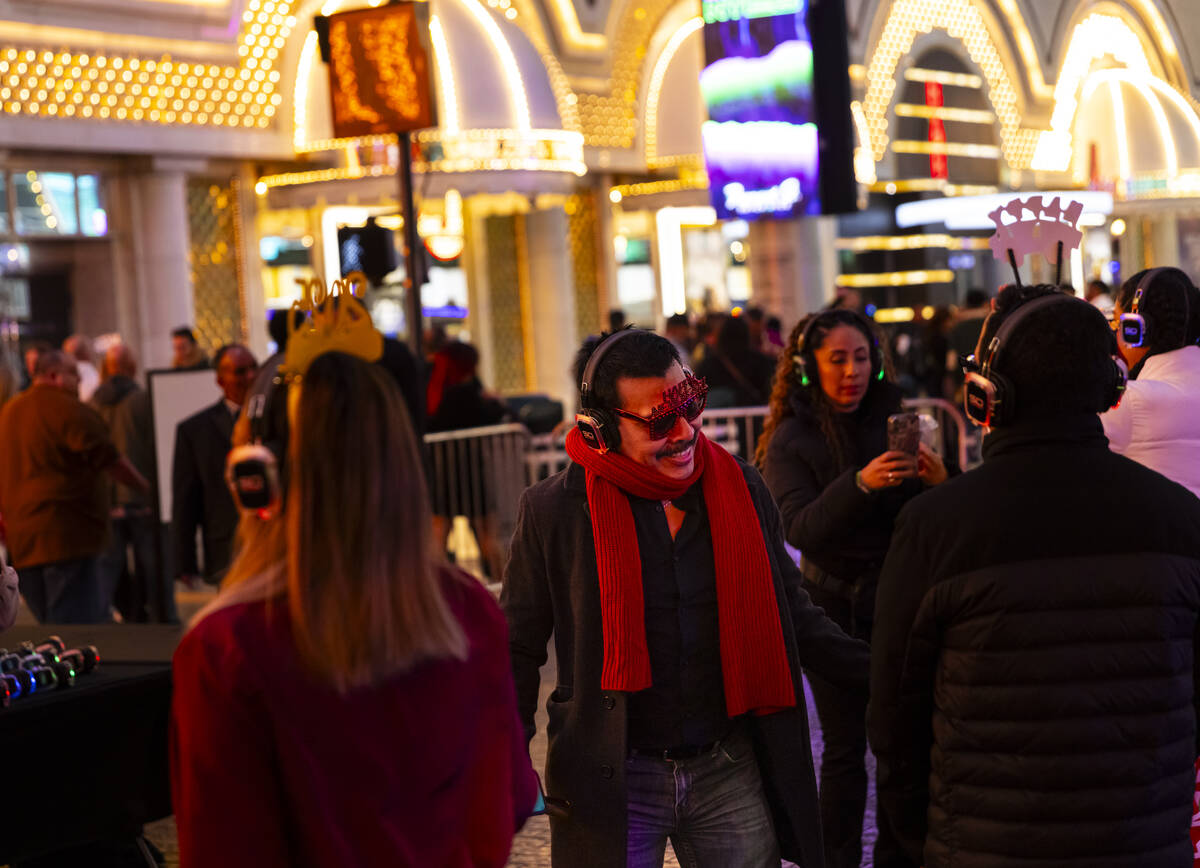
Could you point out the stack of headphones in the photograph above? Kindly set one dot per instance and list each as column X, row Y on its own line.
column 48, row 665
column 989, row 397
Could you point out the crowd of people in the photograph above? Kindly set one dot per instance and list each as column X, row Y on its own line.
column 1014, row 642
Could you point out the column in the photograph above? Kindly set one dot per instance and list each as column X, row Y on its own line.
column 161, row 280
column 552, row 303
column 793, row 265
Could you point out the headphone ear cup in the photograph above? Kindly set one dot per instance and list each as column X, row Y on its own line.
column 1117, row 392
column 598, row 429
column 1003, row 397
column 800, row 368
column 252, row 473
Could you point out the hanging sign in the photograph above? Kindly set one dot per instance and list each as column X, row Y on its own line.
column 379, row 69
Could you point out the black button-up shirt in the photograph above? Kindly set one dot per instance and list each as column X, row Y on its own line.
column 685, row 705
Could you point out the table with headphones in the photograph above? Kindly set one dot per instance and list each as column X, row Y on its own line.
column 88, row 762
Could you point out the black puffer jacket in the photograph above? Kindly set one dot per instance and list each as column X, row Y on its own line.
column 1033, row 685
column 836, row 526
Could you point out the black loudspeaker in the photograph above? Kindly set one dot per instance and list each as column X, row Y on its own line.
column 369, row 249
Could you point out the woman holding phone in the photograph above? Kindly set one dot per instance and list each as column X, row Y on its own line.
column 826, row 457
column 347, row 699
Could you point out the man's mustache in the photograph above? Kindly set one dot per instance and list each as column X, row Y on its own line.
column 678, row 448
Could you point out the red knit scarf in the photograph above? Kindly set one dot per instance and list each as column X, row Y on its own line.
column 753, row 656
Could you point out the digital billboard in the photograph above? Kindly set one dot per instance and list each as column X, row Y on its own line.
column 765, row 139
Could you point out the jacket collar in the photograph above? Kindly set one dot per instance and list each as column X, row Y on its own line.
column 1082, row 430
column 1183, row 362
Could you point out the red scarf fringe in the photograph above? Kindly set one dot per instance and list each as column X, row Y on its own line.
column 753, row 654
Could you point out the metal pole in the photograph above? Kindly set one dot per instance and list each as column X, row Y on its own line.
column 414, row 276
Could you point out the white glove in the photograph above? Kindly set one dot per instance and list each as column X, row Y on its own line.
column 10, row 597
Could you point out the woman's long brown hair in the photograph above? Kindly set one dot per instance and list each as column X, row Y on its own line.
column 352, row 550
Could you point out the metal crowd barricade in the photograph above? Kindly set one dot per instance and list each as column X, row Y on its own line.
column 952, row 423
column 479, row 472
column 483, row 471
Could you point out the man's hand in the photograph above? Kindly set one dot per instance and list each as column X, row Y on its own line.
column 125, row 473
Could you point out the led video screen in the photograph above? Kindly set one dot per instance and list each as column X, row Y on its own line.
column 763, row 141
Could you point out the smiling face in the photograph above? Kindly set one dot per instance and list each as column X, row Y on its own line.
column 673, row 456
column 844, row 366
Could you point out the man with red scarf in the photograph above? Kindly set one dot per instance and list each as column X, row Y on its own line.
column 657, row 562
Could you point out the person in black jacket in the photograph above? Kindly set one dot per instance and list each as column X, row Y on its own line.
column 824, row 456
column 1033, row 685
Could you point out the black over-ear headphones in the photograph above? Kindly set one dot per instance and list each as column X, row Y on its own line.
column 801, row 364
column 252, row 471
column 989, row 396
column 1133, row 324
column 598, row 426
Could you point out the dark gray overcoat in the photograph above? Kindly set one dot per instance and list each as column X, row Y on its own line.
column 551, row 586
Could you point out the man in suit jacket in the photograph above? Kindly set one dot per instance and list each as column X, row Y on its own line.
column 657, row 561
column 200, row 498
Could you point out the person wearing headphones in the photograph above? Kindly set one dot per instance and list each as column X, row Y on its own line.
column 825, row 457
column 346, row 700
column 657, row 562
column 1033, row 693
column 1157, row 322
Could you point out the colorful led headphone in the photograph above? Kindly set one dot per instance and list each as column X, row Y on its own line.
column 598, row 427
column 801, row 364
column 1133, row 324
column 989, row 396
column 252, row 471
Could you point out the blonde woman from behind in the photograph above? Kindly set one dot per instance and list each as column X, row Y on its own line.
column 347, row 700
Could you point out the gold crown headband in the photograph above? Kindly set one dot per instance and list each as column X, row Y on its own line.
column 335, row 321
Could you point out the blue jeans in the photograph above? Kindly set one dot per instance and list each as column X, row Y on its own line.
column 145, row 593
column 65, row 592
column 712, row 809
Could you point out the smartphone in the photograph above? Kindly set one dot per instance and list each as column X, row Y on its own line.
column 904, row 433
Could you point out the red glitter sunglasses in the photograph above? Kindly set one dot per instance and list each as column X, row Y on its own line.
column 686, row 399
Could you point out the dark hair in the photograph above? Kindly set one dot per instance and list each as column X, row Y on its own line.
column 774, row 324
column 228, row 348
column 787, row 383
column 754, row 314
column 733, row 340
column 642, row 354
column 278, row 326
column 975, row 298
column 1059, row 360
column 616, row 319
column 1193, row 335
column 184, row 332
column 51, row 361
column 1168, row 307
column 678, row 319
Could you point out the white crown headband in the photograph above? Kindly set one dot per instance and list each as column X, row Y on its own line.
column 1049, row 230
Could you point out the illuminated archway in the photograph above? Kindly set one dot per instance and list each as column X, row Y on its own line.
column 964, row 22
column 1097, row 36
